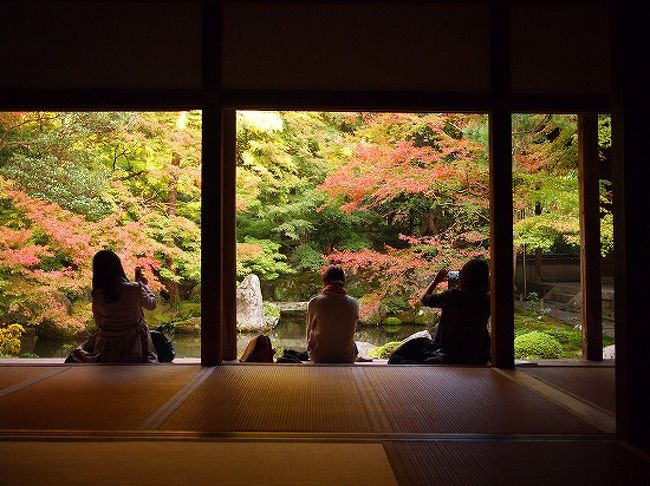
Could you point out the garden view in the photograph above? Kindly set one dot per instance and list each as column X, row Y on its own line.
column 392, row 197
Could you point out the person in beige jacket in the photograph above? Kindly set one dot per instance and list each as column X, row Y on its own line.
column 122, row 335
column 332, row 320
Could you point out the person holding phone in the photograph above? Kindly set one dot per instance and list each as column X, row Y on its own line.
column 122, row 335
column 462, row 335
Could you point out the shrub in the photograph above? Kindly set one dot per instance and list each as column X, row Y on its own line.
column 10, row 339
column 385, row 350
column 271, row 314
column 537, row 345
column 568, row 337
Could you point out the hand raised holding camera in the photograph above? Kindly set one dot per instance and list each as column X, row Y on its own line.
column 139, row 276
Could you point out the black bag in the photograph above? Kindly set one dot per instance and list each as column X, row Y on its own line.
column 164, row 347
column 418, row 351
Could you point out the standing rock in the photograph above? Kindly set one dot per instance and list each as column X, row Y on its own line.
column 609, row 352
column 250, row 310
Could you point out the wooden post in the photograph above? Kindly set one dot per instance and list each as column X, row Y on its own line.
column 591, row 308
column 501, row 273
column 501, row 217
column 630, row 126
column 229, row 238
column 211, row 193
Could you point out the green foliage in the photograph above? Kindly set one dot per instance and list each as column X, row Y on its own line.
column 392, row 321
column 384, row 351
column 308, row 258
column 271, row 314
column 568, row 337
column 390, row 196
column 266, row 262
column 73, row 186
column 537, row 345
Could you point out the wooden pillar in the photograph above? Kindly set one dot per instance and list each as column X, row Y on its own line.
column 589, row 189
column 229, row 271
column 211, row 192
column 630, row 128
column 501, row 217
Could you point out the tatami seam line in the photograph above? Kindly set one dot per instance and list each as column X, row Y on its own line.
column 157, row 418
column 27, row 383
column 572, row 394
column 584, row 410
column 135, row 435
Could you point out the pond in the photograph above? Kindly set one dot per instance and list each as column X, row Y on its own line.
column 289, row 333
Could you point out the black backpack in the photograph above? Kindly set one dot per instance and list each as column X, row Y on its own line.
column 164, row 347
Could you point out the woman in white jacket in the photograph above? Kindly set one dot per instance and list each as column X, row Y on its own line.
column 332, row 320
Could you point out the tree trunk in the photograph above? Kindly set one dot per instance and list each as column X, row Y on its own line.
column 172, row 198
column 538, row 251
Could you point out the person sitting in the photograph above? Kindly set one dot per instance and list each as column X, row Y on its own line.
column 462, row 336
column 122, row 335
column 331, row 321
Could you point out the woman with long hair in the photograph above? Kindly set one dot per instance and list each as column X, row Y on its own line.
column 122, row 335
column 332, row 318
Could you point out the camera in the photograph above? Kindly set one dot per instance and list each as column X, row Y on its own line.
column 453, row 277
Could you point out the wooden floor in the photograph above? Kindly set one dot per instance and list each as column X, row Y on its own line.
column 288, row 424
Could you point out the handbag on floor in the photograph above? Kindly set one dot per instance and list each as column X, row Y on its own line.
column 258, row 350
column 164, row 347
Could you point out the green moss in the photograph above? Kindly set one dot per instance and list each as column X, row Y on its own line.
column 392, row 321
column 537, row 345
column 384, row 351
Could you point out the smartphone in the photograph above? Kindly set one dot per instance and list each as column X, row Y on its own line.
column 138, row 273
column 453, row 277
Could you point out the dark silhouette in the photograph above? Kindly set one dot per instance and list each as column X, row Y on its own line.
column 462, row 335
column 122, row 335
column 331, row 321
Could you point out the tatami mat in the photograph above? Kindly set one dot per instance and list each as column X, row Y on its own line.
column 162, row 462
column 521, row 462
column 466, row 400
column 594, row 384
column 94, row 397
column 10, row 376
column 274, row 398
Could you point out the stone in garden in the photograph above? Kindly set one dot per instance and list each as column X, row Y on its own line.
column 250, row 310
column 609, row 352
column 419, row 334
column 363, row 348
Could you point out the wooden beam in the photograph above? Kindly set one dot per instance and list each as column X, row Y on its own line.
column 229, row 242
column 501, row 216
column 211, row 191
column 101, row 99
column 589, row 189
column 357, row 100
column 188, row 99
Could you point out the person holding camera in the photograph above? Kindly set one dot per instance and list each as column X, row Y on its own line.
column 462, row 336
column 122, row 335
